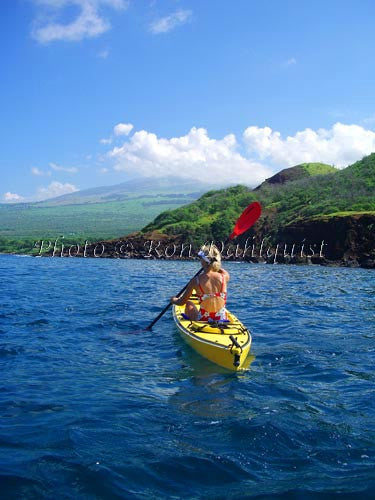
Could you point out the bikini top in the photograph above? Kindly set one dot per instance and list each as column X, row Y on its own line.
column 214, row 301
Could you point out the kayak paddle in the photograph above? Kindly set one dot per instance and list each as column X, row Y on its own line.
column 247, row 219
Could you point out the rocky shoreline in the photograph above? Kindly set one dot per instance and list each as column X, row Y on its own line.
column 347, row 241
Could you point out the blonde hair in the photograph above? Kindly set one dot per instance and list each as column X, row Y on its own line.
column 213, row 253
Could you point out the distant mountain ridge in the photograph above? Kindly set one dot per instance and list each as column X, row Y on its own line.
column 133, row 188
column 106, row 211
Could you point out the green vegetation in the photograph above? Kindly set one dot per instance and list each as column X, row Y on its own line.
column 324, row 191
column 348, row 190
column 343, row 214
column 24, row 245
column 33, row 246
column 24, row 223
column 318, row 168
column 213, row 213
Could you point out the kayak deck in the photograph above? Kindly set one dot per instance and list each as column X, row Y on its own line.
column 225, row 343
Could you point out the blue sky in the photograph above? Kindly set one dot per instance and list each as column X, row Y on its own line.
column 94, row 92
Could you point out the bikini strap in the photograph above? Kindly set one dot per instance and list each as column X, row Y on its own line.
column 200, row 286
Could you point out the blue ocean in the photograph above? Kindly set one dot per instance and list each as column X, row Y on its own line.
column 91, row 407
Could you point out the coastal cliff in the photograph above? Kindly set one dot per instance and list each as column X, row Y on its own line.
column 344, row 239
column 338, row 240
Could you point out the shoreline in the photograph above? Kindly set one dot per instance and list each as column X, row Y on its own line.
column 254, row 249
column 299, row 261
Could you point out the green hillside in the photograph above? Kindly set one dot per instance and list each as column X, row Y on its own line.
column 317, row 168
column 23, row 224
column 94, row 214
column 315, row 194
column 91, row 220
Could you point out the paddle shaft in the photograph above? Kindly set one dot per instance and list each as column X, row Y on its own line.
column 168, row 305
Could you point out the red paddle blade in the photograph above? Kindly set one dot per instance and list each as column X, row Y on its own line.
column 248, row 217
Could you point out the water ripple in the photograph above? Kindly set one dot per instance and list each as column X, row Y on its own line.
column 93, row 407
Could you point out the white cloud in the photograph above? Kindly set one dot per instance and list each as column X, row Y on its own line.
column 193, row 156
column 106, row 141
column 290, row 62
column 123, row 129
column 103, row 54
column 12, row 197
column 341, row 145
column 168, row 23
column 58, row 168
column 118, row 130
column 103, row 170
column 88, row 23
column 260, row 154
column 37, row 172
column 55, row 189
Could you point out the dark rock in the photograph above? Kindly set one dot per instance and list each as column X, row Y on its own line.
column 316, row 259
column 350, row 262
column 368, row 264
column 334, row 238
column 286, row 175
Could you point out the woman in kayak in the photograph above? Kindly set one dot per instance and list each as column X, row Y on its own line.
column 210, row 286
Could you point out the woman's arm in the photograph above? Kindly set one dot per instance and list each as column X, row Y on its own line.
column 226, row 274
column 186, row 295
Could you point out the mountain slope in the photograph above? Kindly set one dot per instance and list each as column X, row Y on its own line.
column 130, row 189
column 96, row 213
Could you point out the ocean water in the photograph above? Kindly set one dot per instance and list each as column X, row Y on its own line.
column 91, row 407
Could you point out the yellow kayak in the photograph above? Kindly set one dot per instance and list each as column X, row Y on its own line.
column 226, row 344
